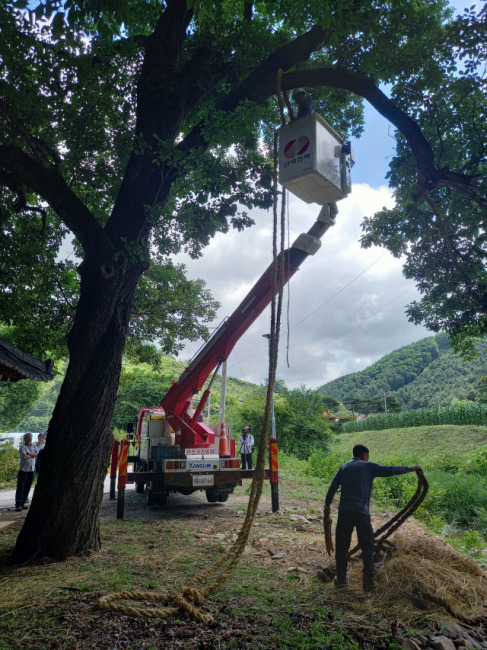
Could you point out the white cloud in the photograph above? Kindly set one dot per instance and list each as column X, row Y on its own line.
column 346, row 303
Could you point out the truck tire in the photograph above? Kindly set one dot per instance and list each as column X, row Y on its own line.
column 223, row 497
column 212, row 495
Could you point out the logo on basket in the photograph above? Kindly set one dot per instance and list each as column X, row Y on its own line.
column 296, row 147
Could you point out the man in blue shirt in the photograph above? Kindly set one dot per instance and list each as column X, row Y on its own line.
column 355, row 479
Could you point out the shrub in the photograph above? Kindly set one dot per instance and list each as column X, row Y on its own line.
column 9, row 462
column 394, row 491
column 324, row 466
column 470, row 542
column 463, row 502
column 449, row 463
column 476, row 463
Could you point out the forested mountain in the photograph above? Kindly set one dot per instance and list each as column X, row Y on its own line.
column 420, row 375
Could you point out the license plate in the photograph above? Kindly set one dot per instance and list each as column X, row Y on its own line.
column 203, row 480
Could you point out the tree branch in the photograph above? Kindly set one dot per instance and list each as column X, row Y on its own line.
column 20, row 130
column 159, row 117
column 366, row 88
column 50, row 185
column 261, row 83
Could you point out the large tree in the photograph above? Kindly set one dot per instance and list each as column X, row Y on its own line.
column 142, row 128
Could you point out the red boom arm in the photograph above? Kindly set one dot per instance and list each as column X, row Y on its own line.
column 177, row 401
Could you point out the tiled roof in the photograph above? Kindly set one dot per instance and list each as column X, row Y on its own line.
column 15, row 365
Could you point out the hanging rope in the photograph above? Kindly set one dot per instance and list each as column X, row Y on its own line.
column 187, row 600
column 284, row 205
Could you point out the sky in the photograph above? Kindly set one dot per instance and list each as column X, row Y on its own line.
column 346, row 304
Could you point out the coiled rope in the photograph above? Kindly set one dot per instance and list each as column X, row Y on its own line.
column 385, row 531
column 188, row 599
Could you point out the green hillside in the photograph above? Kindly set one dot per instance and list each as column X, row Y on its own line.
column 421, row 375
column 416, row 445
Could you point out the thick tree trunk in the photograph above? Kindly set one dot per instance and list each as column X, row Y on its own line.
column 63, row 518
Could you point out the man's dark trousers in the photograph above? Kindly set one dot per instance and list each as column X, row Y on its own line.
column 347, row 521
column 246, row 461
column 24, row 482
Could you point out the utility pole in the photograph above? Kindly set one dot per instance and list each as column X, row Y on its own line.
column 223, row 391
column 385, row 402
column 208, row 411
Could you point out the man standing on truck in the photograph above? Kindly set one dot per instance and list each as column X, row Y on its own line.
column 305, row 104
column 355, row 479
column 246, row 443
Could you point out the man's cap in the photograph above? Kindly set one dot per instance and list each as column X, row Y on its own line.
column 298, row 91
column 246, row 428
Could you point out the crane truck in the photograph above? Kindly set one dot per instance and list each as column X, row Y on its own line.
column 174, row 450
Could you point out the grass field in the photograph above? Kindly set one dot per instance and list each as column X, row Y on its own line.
column 415, row 445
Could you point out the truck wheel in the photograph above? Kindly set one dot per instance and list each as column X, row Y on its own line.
column 151, row 498
column 223, row 497
column 212, row 495
column 139, row 488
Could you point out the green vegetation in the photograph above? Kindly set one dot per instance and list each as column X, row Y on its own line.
column 9, row 464
column 461, row 413
column 16, row 400
column 299, row 421
column 454, row 460
column 417, row 445
column 421, row 375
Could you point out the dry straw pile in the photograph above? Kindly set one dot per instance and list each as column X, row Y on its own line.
column 424, row 579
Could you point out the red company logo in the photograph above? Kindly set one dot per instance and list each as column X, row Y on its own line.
column 296, row 147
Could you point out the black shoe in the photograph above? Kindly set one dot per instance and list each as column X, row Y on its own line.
column 18, row 509
column 25, row 508
column 370, row 585
column 339, row 584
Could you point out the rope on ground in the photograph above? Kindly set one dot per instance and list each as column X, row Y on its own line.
column 185, row 601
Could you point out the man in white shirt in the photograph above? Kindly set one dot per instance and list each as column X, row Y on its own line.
column 27, row 458
column 246, row 443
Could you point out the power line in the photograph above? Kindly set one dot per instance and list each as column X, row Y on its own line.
column 337, row 293
column 327, row 301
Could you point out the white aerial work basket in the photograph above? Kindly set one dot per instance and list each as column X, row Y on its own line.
column 314, row 161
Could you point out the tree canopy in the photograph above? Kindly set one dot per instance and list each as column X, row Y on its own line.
column 441, row 227
column 143, row 128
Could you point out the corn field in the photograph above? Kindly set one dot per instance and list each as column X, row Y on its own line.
column 469, row 414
